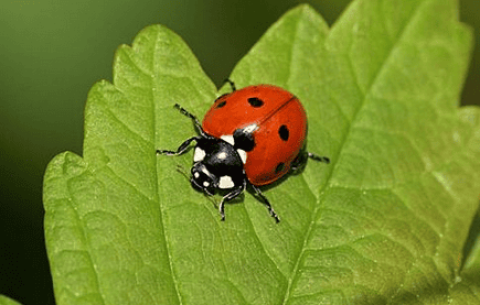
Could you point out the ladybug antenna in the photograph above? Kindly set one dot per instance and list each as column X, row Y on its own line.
column 183, row 171
column 196, row 122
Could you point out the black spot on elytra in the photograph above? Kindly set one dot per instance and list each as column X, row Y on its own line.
column 221, row 104
column 279, row 167
column 255, row 102
column 283, row 132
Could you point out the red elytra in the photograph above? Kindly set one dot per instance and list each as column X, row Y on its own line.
column 250, row 137
column 281, row 128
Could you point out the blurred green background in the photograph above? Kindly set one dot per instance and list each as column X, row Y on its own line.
column 53, row 51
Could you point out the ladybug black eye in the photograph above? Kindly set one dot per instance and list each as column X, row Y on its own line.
column 283, row 132
column 221, row 104
column 279, row 167
column 255, row 102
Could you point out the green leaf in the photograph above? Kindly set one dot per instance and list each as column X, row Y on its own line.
column 384, row 223
column 7, row 301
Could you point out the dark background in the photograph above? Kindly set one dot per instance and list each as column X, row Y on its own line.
column 53, row 51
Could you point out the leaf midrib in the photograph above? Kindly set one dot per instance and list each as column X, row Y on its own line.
column 344, row 140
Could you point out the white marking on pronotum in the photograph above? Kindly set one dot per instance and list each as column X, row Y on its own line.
column 251, row 128
column 243, row 155
column 226, row 182
column 206, row 183
column 222, row 155
column 196, row 175
column 228, row 139
column 198, row 155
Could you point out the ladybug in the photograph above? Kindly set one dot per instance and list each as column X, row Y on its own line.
column 250, row 137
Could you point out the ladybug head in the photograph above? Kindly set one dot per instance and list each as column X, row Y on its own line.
column 202, row 179
column 216, row 166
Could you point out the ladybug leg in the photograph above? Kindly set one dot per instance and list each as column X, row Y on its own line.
column 318, row 158
column 266, row 202
column 181, row 149
column 237, row 191
column 186, row 113
column 232, row 84
column 301, row 160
